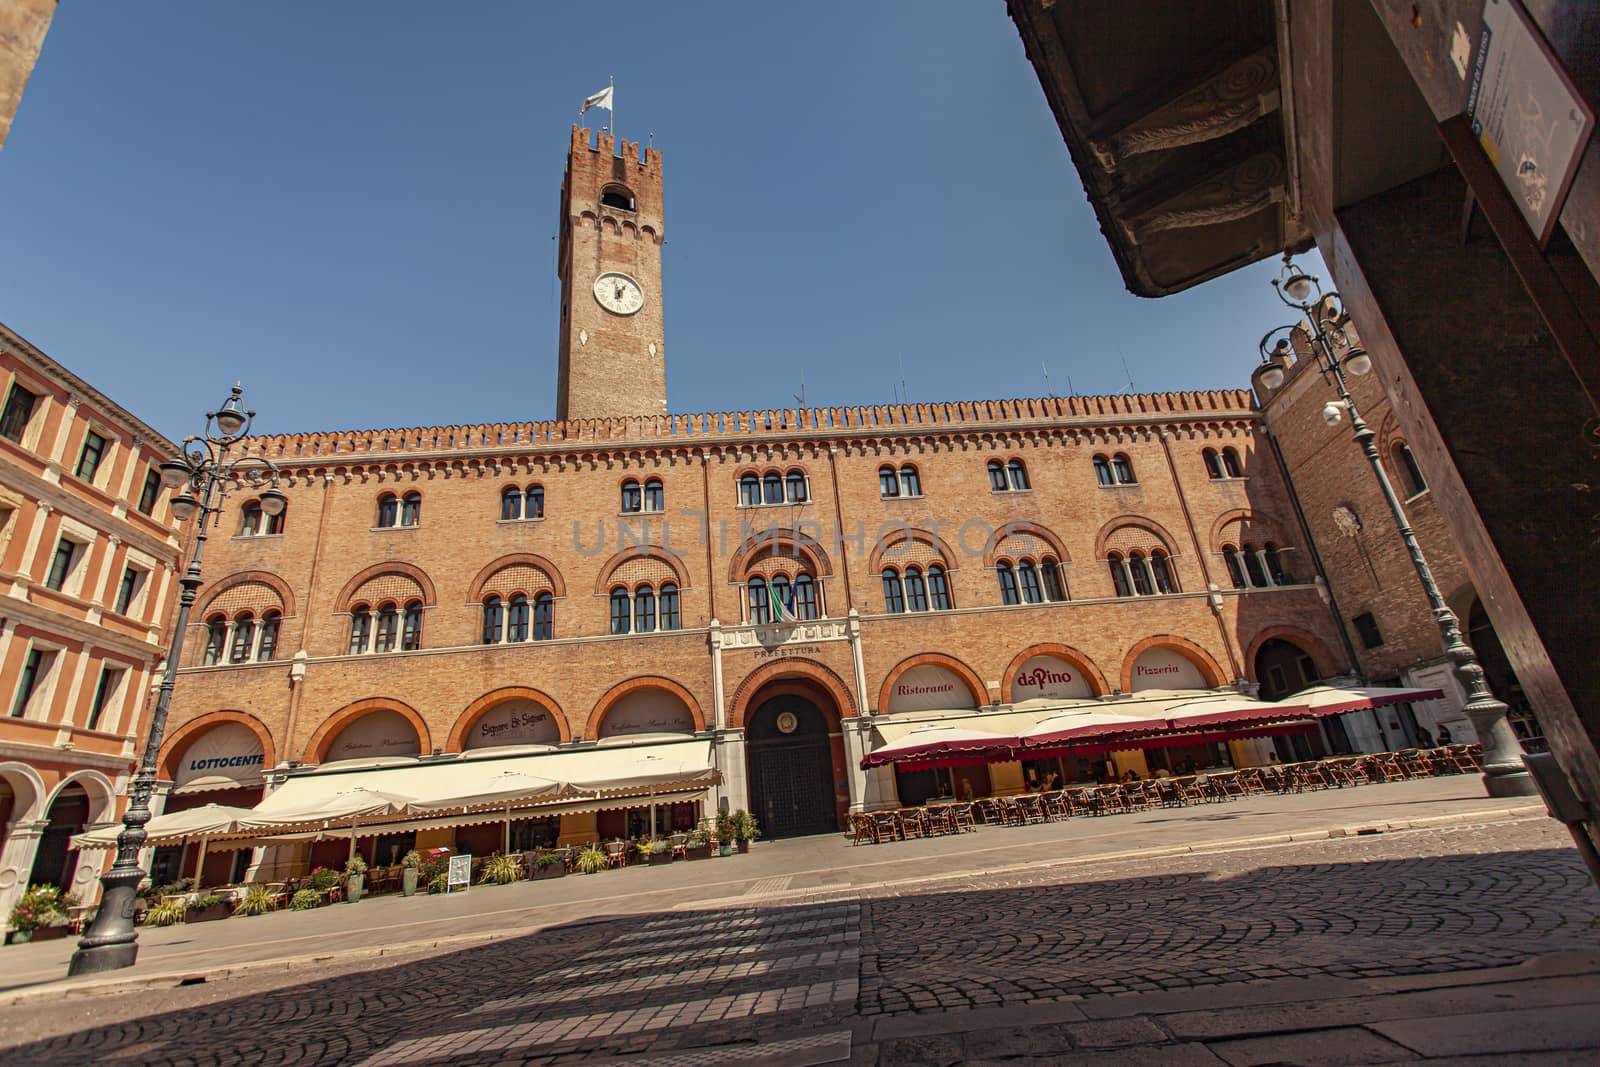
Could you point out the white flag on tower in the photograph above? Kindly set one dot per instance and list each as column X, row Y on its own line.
column 600, row 99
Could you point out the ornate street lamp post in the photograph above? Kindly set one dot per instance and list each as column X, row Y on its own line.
column 1325, row 331
column 199, row 479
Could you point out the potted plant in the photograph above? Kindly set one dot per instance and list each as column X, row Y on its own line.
column 699, row 846
column 548, row 865
column 41, row 911
column 439, row 883
column 355, row 877
column 657, row 853
column 591, row 860
column 724, row 835
column 745, row 829
column 257, row 901
column 500, row 870
column 412, row 868
column 208, row 908
column 306, row 899
column 168, row 912
column 322, row 879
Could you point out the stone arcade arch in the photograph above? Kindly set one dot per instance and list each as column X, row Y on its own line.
column 794, row 751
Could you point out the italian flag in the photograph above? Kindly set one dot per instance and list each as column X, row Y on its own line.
column 780, row 610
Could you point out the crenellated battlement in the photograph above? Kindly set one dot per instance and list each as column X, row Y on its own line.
column 839, row 423
column 604, row 146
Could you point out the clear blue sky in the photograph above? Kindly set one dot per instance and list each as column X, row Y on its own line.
column 351, row 206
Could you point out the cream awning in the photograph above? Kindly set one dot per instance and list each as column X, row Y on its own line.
column 174, row 829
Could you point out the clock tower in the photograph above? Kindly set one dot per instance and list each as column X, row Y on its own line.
column 613, row 349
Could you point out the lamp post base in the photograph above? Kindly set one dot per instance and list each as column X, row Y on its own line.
column 103, row 958
column 112, row 941
column 1504, row 774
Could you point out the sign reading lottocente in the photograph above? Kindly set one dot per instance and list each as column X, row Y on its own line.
column 1164, row 668
column 1049, row 677
column 228, row 751
column 929, row 688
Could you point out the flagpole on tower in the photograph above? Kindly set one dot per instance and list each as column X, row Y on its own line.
column 611, row 100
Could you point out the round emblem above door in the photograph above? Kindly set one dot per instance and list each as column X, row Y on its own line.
column 787, row 722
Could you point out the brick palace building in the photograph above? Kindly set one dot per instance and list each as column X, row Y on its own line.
column 87, row 555
column 609, row 581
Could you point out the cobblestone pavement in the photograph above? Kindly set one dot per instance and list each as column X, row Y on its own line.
column 748, row 980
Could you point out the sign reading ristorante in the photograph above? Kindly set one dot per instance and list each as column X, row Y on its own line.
column 929, row 688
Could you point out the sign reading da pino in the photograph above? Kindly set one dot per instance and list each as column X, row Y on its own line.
column 516, row 722
column 1047, row 676
column 1163, row 668
column 227, row 755
column 929, row 688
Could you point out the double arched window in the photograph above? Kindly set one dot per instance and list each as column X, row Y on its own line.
column 645, row 609
column 1007, row 476
column 915, row 589
column 1029, row 581
column 515, row 618
column 256, row 523
column 897, row 482
column 386, row 628
column 399, row 510
column 1141, row 573
column 1223, row 464
column 648, row 497
column 1255, row 566
column 518, row 503
column 1114, row 470
column 773, row 487
column 241, row 639
column 783, row 599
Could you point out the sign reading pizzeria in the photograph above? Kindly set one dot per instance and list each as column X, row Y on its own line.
column 381, row 733
column 929, row 688
column 1165, row 668
column 516, row 722
column 1051, row 678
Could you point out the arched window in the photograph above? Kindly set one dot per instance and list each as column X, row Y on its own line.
column 1213, row 463
column 388, row 510
column 772, row 488
column 617, row 196
column 388, row 628
column 216, row 640
column 510, row 503
column 805, row 597
column 910, row 481
column 517, row 618
column 1252, row 567
column 621, row 611
column 644, row 610
column 671, row 619
column 544, row 617
column 1028, row 579
column 632, row 498
column 894, row 601
column 360, row 629
column 411, row 509
column 1050, row 576
column 888, row 482
column 1119, row 575
column 1008, row 583
column 1141, row 574
column 252, row 519
column 244, row 635
column 1275, row 566
column 274, row 523
column 1102, row 471
column 1161, row 570
column 1122, row 467
column 1018, row 474
column 916, row 590
column 270, row 621
column 938, row 588
column 493, row 619
column 1410, row 473
column 1230, row 556
column 749, row 491
column 997, row 476
column 760, row 606
column 1230, row 463
column 796, row 482
column 655, row 495
column 411, row 634
column 533, row 502
column 780, row 592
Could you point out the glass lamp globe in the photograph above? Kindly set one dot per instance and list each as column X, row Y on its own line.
column 184, row 506
column 174, row 473
column 273, row 502
column 1271, row 375
column 1298, row 286
column 1358, row 362
column 230, row 420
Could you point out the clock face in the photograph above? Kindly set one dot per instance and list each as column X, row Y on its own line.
column 618, row 293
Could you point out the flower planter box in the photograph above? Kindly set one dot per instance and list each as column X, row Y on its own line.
column 698, row 852
column 743, row 846
column 660, row 859
column 219, row 910
column 553, row 870
column 42, row 933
